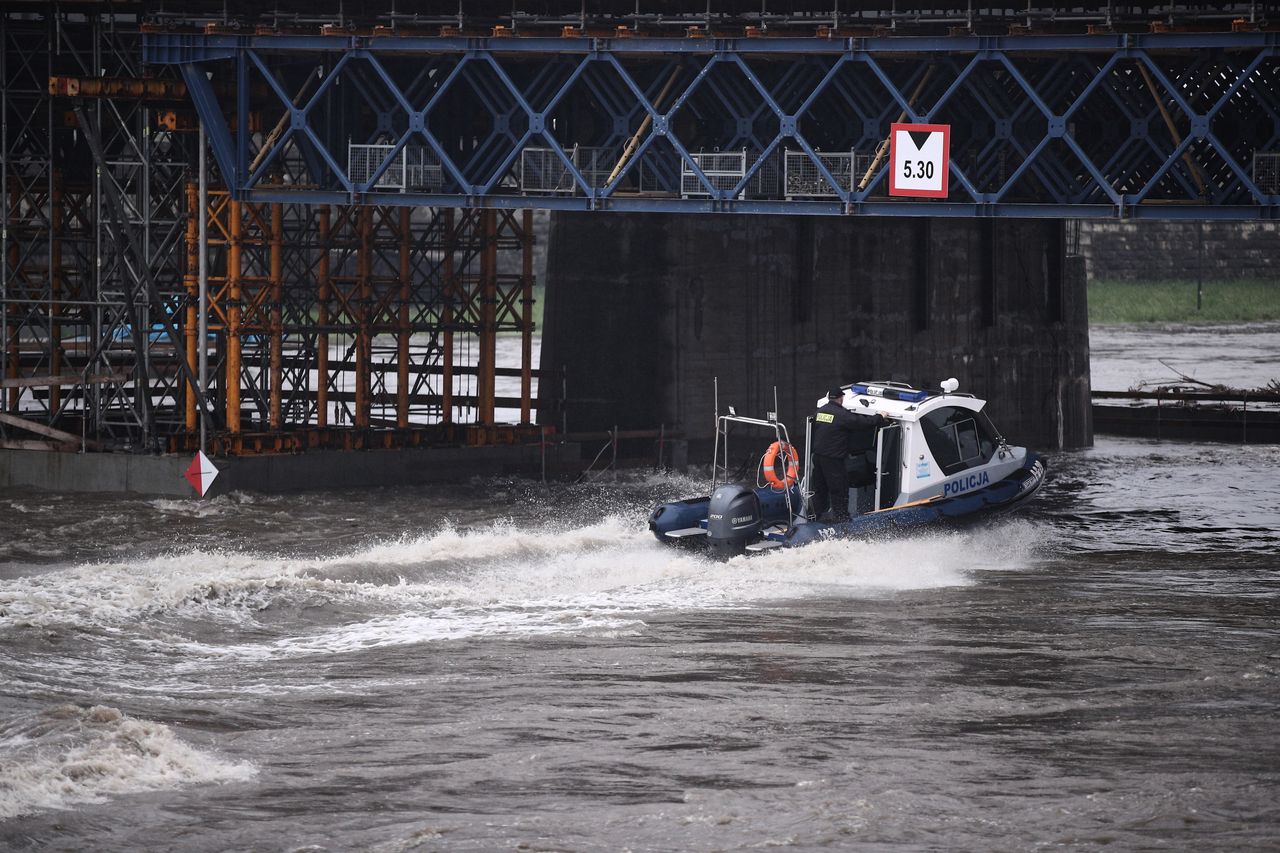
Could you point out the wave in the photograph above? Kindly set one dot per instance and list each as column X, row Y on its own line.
column 71, row 755
column 500, row 579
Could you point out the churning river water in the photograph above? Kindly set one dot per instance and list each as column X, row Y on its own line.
column 505, row 665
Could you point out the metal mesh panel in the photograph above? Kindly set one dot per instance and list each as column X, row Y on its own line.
column 655, row 176
column 595, row 164
column 724, row 169
column 768, row 179
column 541, row 171
column 803, row 180
column 364, row 160
column 1266, row 171
column 423, row 172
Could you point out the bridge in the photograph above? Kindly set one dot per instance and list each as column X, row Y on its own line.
column 1117, row 124
column 271, row 228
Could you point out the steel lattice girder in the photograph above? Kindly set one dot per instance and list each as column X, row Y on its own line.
column 1163, row 125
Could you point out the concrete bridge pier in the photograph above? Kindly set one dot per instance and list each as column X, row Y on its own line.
column 644, row 312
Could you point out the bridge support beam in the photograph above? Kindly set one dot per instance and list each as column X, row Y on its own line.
column 674, row 304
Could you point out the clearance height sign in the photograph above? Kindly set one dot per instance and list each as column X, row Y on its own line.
column 921, row 156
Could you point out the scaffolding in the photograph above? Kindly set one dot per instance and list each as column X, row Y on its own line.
column 344, row 326
column 361, row 317
column 92, row 246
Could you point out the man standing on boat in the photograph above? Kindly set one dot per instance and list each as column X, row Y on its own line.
column 837, row 432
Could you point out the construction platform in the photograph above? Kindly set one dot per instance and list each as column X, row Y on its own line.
column 542, row 454
column 162, row 474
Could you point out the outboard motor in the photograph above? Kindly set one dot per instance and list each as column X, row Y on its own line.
column 733, row 519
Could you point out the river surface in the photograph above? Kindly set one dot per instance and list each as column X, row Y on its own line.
column 502, row 665
column 1128, row 356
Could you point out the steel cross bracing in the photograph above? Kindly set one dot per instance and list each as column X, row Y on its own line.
column 1161, row 125
column 90, row 269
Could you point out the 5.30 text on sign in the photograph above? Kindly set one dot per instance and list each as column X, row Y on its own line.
column 921, row 158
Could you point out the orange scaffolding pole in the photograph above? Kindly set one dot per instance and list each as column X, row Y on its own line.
column 322, row 319
column 232, row 381
column 277, row 320
column 526, row 318
column 402, row 348
column 447, row 319
column 364, row 337
column 192, row 281
column 486, row 372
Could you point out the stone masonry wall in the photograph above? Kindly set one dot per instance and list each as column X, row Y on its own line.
column 645, row 313
column 1147, row 250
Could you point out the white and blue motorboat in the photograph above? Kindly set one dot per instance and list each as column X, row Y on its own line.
column 939, row 461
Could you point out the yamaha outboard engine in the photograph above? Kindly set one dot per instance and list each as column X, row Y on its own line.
column 733, row 519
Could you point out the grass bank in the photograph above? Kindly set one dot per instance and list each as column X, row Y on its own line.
column 1244, row 301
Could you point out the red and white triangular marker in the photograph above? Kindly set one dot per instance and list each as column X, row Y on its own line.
column 201, row 473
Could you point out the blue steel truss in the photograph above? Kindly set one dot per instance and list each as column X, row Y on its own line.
column 1161, row 125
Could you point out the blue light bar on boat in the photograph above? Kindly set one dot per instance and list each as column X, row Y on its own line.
column 906, row 395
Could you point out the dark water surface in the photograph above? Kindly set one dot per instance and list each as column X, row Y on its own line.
column 1126, row 356
column 382, row 670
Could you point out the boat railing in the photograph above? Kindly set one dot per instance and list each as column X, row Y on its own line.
column 720, row 453
column 806, row 490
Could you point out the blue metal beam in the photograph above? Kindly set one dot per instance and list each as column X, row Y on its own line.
column 1040, row 123
column 177, row 48
column 219, row 134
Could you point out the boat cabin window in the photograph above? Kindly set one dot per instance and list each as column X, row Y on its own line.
column 957, row 438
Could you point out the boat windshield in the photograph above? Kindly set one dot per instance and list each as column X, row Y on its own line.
column 959, row 438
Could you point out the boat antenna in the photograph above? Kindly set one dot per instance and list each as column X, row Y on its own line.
column 715, row 448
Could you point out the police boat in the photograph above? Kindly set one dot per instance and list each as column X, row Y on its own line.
column 939, row 461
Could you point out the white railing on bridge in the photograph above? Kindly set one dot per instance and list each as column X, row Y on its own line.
column 364, row 160
column 422, row 169
column 724, row 170
column 542, row 171
column 416, row 168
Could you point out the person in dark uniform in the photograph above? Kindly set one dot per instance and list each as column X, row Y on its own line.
column 836, row 432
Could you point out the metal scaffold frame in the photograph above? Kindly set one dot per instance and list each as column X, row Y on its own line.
column 92, row 237
column 360, row 325
column 327, row 326
column 1144, row 125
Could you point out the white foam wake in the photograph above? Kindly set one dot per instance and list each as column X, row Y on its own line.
column 71, row 755
column 501, row 579
column 618, row 585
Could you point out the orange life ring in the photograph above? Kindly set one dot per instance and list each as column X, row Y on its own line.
column 793, row 465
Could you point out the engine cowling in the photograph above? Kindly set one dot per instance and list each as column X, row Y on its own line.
column 733, row 519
